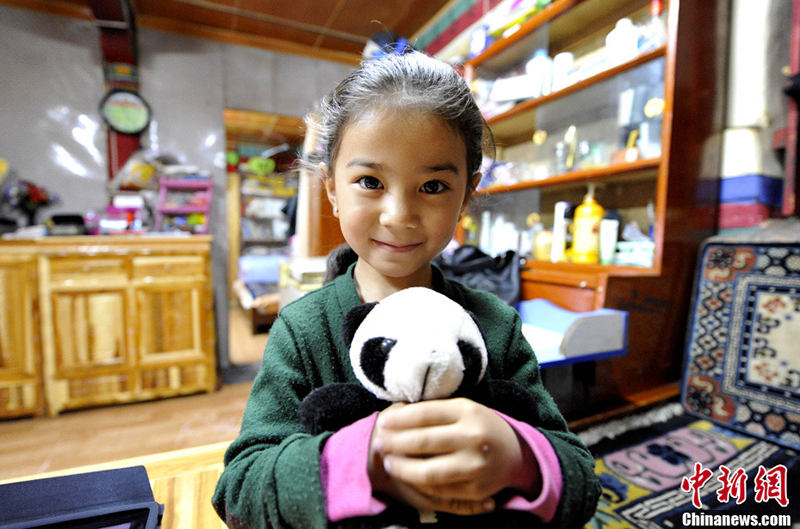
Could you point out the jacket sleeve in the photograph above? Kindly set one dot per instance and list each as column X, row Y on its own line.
column 272, row 470
column 581, row 490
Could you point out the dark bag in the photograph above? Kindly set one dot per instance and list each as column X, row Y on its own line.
column 474, row 268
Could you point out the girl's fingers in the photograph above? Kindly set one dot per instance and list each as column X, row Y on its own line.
column 426, row 501
column 433, row 440
column 422, row 414
column 446, row 470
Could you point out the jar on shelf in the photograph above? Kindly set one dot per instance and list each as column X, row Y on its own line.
column 622, row 44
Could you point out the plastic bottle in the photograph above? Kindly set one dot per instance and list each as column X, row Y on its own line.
column 563, row 64
column 622, row 43
column 558, row 243
column 540, row 72
column 586, row 233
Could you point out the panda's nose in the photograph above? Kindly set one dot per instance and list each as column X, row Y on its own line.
column 387, row 344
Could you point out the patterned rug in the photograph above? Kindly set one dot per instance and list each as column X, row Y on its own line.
column 727, row 455
column 687, row 472
column 742, row 366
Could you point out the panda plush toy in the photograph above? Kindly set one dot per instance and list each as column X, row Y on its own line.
column 416, row 345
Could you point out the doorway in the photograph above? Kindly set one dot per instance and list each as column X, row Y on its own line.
column 261, row 154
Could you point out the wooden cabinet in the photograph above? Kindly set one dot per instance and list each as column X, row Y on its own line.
column 20, row 374
column 672, row 176
column 122, row 319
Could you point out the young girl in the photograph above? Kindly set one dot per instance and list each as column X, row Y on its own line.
column 402, row 145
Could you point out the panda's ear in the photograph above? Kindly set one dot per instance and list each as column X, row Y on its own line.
column 477, row 323
column 353, row 319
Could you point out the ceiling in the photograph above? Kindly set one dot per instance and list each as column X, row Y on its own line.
column 334, row 30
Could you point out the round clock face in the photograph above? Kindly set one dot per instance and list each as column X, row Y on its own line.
column 125, row 111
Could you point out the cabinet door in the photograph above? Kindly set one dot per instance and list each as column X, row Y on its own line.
column 89, row 328
column 87, row 358
column 169, row 322
column 175, row 345
column 20, row 389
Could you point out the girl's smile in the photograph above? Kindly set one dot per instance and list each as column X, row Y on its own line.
column 399, row 248
column 399, row 183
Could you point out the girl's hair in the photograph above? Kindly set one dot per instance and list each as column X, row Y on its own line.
column 408, row 81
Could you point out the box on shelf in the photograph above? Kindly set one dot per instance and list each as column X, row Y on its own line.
column 299, row 276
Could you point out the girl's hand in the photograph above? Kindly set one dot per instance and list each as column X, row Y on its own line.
column 448, row 455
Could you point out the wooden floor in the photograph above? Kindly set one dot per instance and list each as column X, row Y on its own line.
column 87, row 437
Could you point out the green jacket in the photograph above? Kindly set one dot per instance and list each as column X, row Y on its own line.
column 272, row 470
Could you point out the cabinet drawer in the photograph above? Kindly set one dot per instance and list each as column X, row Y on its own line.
column 87, row 269
column 180, row 266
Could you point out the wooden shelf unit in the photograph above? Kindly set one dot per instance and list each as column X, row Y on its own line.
column 186, row 185
column 657, row 297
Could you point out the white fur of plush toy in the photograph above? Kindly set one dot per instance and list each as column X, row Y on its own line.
column 421, row 333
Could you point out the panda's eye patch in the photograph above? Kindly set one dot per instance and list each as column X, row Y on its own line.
column 387, row 344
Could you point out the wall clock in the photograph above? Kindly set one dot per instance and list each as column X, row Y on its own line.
column 125, row 111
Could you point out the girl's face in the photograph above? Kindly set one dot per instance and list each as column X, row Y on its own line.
column 399, row 183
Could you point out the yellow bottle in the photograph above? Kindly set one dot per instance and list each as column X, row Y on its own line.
column 586, row 230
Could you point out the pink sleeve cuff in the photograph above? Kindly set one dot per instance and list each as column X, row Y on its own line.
column 348, row 491
column 345, row 480
column 546, row 503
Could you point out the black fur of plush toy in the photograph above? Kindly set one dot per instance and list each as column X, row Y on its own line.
column 416, row 345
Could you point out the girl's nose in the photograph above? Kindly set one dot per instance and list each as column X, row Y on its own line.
column 399, row 212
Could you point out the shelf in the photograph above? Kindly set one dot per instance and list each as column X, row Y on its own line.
column 252, row 192
column 629, row 172
column 266, row 218
column 566, row 18
column 264, row 241
column 193, row 186
column 517, row 124
column 532, row 267
column 186, row 183
column 182, row 210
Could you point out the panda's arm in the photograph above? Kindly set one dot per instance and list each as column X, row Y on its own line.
column 510, row 398
column 332, row 407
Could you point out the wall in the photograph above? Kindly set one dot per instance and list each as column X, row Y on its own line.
column 757, row 107
column 51, row 83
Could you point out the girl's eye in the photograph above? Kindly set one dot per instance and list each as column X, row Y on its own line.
column 369, row 182
column 434, row 186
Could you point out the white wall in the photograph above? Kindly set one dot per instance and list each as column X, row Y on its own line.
column 759, row 49
column 51, row 83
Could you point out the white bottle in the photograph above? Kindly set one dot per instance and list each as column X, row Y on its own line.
column 540, row 73
column 559, row 242
column 622, row 44
column 563, row 63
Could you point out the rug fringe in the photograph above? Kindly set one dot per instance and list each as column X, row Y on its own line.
column 617, row 427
